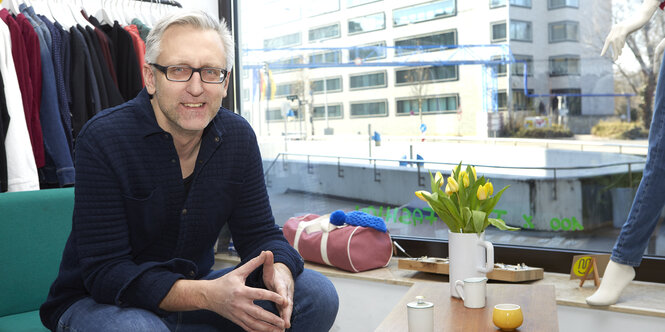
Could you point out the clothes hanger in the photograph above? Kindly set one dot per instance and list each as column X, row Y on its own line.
column 104, row 14
column 75, row 13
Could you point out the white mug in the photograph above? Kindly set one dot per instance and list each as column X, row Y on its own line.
column 472, row 291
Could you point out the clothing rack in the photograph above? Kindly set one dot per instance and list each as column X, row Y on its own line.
column 165, row 2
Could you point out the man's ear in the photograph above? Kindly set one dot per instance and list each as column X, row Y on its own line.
column 149, row 78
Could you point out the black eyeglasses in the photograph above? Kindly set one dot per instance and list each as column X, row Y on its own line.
column 181, row 73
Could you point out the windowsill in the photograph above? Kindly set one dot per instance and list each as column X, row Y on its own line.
column 641, row 298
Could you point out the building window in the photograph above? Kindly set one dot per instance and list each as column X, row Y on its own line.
column 427, row 43
column 334, row 111
column 498, row 32
column 289, row 40
column 565, row 65
column 439, row 104
column 517, row 3
column 424, row 12
column 367, row 81
column 286, row 64
column 285, row 89
column 499, row 68
column 318, row 7
column 372, row 108
column 564, row 31
column 326, row 57
column 325, row 32
column 518, row 67
column 520, row 101
column 520, row 31
column 332, row 85
column 554, row 4
column 354, row 3
column 570, row 99
column 368, row 52
column 367, row 23
column 274, row 114
column 425, row 74
column 501, row 99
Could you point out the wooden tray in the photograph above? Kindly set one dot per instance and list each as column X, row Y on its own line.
column 503, row 272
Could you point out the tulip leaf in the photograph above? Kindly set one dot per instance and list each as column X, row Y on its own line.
column 500, row 224
column 478, row 221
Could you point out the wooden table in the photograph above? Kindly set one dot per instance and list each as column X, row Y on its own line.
column 538, row 304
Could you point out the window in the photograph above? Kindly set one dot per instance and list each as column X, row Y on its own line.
column 517, row 3
column 334, row 112
column 554, row 4
column 521, row 102
column 274, row 114
column 332, row 85
column 520, row 31
column 429, row 105
column 427, row 43
column 570, row 99
column 367, row 23
column 285, row 89
column 283, row 41
column 325, row 32
column 425, row 74
column 563, row 31
column 499, row 69
column 424, row 12
column 353, row 3
column 501, row 99
column 368, row 52
column 498, row 32
column 517, row 68
column 286, row 64
column 327, row 57
column 371, row 108
column 564, row 65
column 367, row 81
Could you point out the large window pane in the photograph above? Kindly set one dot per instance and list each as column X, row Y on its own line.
column 366, row 81
column 428, row 43
column 520, row 31
column 368, row 52
column 564, row 65
column 563, row 31
column 325, row 32
column 374, row 108
column 518, row 67
column 425, row 74
column 554, row 4
column 424, row 12
column 367, row 23
column 498, row 32
column 428, row 105
column 334, row 112
column 331, row 85
column 292, row 39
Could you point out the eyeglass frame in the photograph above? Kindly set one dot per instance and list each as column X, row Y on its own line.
column 164, row 69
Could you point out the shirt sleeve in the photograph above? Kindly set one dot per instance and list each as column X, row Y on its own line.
column 252, row 224
column 101, row 230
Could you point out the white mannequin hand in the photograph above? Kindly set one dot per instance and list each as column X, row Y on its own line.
column 617, row 36
column 616, row 39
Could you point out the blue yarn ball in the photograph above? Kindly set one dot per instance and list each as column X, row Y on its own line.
column 338, row 218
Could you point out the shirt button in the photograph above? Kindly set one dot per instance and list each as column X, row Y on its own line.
column 191, row 274
column 184, row 211
column 173, row 161
column 166, row 136
column 200, row 161
column 216, row 138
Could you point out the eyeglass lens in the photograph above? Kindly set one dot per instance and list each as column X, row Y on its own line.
column 184, row 73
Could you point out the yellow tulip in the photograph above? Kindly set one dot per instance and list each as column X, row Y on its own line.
column 481, row 193
column 473, row 169
column 489, row 188
column 420, row 195
column 438, row 179
column 464, row 178
column 451, row 186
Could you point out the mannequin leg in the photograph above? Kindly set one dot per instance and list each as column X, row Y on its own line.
column 616, row 278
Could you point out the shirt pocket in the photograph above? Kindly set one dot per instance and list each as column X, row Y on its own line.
column 145, row 219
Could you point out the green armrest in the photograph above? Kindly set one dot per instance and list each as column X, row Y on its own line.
column 34, row 226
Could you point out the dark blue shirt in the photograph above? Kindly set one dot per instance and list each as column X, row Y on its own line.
column 135, row 232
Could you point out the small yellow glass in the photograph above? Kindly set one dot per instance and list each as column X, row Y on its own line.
column 507, row 317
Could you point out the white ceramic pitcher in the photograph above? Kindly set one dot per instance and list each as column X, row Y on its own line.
column 469, row 256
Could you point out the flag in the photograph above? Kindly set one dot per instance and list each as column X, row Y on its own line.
column 256, row 84
column 262, row 85
column 270, row 86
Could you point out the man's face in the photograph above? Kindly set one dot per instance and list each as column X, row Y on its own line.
column 186, row 107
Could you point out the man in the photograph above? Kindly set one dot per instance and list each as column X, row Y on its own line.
column 157, row 178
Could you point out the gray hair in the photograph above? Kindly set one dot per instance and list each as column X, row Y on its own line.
column 196, row 18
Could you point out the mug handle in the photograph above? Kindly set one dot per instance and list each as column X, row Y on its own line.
column 489, row 257
column 459, row 286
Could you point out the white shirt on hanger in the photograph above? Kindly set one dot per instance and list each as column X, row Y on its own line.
column 21, row 166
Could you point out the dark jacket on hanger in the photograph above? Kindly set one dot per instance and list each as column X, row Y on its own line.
column 85, row 101
column 4, row 125
column 126, row 64
column 103, row 92
column 106, row 47
column 114, row 96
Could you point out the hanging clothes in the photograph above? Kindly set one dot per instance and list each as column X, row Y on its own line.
column 55, row 141
column 112, row 91
column 144, row 30
column 129, row 78
column 4, row 125
column 139, row 48
column 85, row 100
column 21, row 167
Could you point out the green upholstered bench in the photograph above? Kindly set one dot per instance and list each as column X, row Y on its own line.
column 34, row 226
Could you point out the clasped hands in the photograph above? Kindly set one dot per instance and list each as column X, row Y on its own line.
column 234, row 300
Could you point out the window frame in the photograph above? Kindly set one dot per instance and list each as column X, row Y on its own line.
column 566, row 57
column 448, row 95
column 341, row 110
column 339, row 32
column 381, row 43
column 385, row 80
column 565, row 5
column 341, row 85
column 529, row 66
column 514, row 38
column 370, row 101
column 414, row 37
column 424, row 5
column 365, row 31
column 499, row 40
column 565, row 25
column 456, row 78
